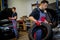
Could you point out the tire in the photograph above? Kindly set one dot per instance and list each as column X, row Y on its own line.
column 47, row 31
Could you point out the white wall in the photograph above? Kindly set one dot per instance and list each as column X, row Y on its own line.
column 23, row 6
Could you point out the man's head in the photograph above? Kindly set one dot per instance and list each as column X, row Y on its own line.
column 14, row 9
column 43, row 4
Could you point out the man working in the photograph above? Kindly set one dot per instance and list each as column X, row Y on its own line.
column 13, row 19
column 38, row 16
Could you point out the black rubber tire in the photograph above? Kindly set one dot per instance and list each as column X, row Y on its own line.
column 46, row 37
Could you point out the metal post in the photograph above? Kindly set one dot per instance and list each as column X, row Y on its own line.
column 37, row 3
column 57, row 5
column 2, row 4
column 57, row 8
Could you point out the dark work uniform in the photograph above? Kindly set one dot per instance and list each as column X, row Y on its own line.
column 38, row 15
column 14, row 14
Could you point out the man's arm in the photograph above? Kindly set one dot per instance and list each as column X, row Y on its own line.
column 11, row 18
column 15, row 17
column 32, row 18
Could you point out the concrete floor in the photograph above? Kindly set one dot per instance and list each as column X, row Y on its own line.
column 23, row 36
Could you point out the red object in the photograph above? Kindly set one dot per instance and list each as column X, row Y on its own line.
column 35, row 36
column 37, row 23
column 43, row 19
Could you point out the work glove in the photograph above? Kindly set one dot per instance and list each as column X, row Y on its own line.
column 38, row 23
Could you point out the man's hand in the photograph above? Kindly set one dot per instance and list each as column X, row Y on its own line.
column 46, row 21
column 12, row 18
column 38, row 23
column 9, row 18
column 50, row 23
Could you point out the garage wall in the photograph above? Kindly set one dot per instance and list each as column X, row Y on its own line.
column 23, row 6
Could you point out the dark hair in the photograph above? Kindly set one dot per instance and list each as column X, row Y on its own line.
column 44, row 2
column 14, row 8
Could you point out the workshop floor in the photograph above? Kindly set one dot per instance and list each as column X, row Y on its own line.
column 23, row 36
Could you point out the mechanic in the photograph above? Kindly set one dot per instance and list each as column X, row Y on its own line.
column 13, row 19
column 38, row 15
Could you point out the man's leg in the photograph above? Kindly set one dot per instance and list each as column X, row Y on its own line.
column 39, row 34
column 15, row 28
